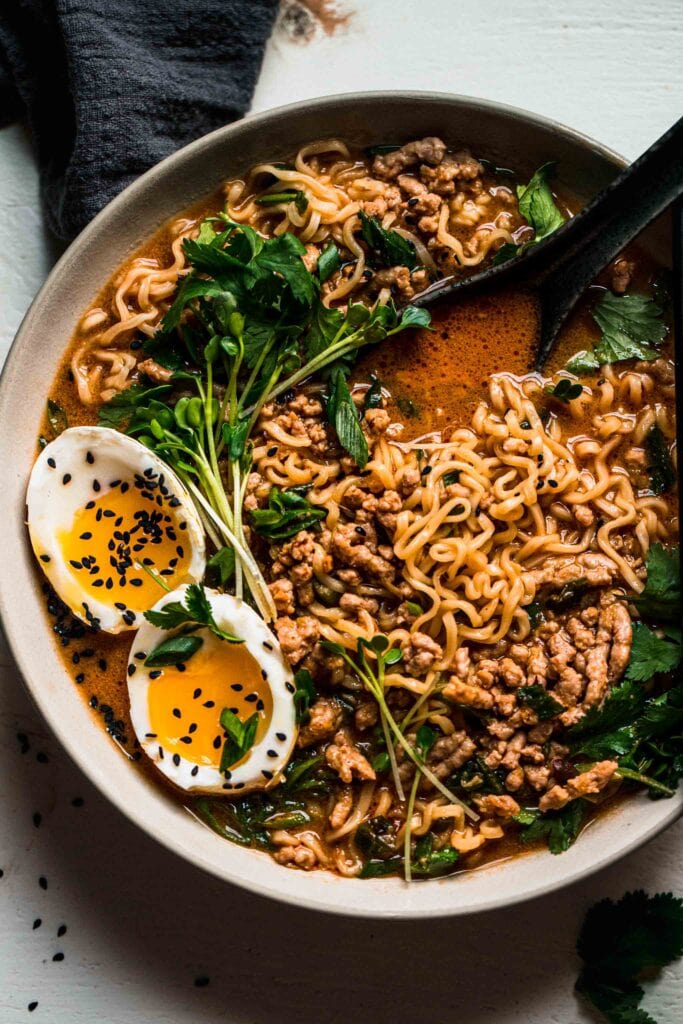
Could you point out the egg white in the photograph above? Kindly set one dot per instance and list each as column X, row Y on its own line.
column 268, row 757
column 74, row 469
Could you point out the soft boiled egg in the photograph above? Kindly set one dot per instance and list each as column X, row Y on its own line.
column 176, row 710
column 107, row 519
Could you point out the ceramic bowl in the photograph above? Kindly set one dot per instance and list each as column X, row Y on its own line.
column 505, row 135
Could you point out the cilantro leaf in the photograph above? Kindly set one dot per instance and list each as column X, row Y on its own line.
column 559, row 828
column 565, row 390
column 388, row 248
column 239, row 739
column 287, row 513
column 662, row 472
column 621, row 941
column 195, row 610
column 539, row 700
column 660, row 599
column 620, row 708
column 583, row 363
column 343, row 415
column 631, row 326
column 430, row 863
column 650, row 654
column 537, row 206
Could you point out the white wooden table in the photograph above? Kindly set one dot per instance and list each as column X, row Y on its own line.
column 141, row 925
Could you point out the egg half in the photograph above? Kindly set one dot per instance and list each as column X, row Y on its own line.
column 106, row 516
column 176, row 710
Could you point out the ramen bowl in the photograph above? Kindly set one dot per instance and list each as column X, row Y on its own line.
column 502, row 134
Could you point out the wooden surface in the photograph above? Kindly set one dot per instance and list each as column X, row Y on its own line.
column 141, row 925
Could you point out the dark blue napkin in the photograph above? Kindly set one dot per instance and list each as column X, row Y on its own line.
column 109, row 87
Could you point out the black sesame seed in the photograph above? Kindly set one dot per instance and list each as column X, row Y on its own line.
column 289, row 687
column 96, row 486
column 236, row 686
column 197, row 693
column 272, row 451
column 155, row 674
column 186, row 739
column 37, row 923
column 176, row 713
column 51, row 463
column 267, row 646
column 176, row 759
column 45, row 558
column 66, row 478
column 32, row 1005
column 217, row 743
column 58, row 957
column 281, row 736
column 266, row 774
column 42, row 882
column 194, row 771
column 132, row 669
column 251, row 698
column 193, row 727
column 102, row 665
column 61, row 931
column 271, row 753
column 209, row 704
column 80, row 678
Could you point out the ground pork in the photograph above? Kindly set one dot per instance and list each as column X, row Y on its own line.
column 297, row 637
column 497, row 806
column 298, row 856
column 586, row 784
column 430, row 150
column 325, row 717
column 346, row 759
column 419, row 654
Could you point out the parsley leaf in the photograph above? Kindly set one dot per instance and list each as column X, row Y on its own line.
column 662, row 472
column 539, row 700
column 619, row 942
column 343, row 415
column 286, row 514
column 240, row 737
column 195, row 611
column 650, row 654
column 631, row 325
column 388, row 248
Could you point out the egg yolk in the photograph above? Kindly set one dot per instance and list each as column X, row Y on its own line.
column 121, row 540
column 185, row 706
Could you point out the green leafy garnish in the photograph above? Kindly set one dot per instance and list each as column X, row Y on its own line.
column 387, row 248
column 565, row 390
column 536, row 203
column 539, row 700
column 292, row 195
column 537, row 206
column 304, row 694
column 651, row 654
column 56, row 417
column 622, row 942
column 120, row 409
column 343, row 415
column 287, row 513
column 426, row 862
column 583, row 363
column 660, row 600
column 239, row 739
column 195, row 611
column 559, row 828
column 220, row 568
column 662, row 472
column 246, row 324
column 566, row 596
column 174, row 651
column 329, row 262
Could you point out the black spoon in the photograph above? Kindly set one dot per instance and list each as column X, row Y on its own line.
column 560, row 268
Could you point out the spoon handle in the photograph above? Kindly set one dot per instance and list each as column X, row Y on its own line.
column 604, row 227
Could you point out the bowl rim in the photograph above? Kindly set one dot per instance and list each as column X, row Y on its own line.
column 284, row 890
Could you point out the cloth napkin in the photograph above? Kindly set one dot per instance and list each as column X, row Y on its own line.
column 110, row 87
